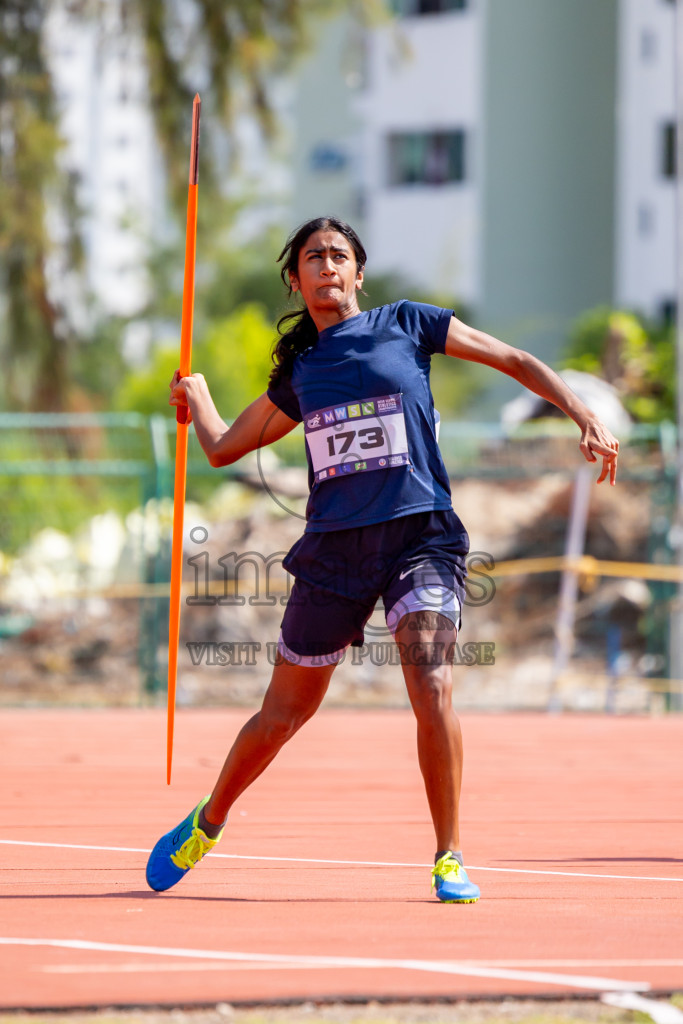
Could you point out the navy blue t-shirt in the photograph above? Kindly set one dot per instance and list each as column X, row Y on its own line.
column 378, row 353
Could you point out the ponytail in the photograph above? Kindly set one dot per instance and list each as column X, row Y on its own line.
column 301, row 336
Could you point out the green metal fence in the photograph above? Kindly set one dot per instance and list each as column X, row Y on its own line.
column 59, row 473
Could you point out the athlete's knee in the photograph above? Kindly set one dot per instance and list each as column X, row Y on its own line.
column 279, row 722
column 279, row 726
column 430, row 690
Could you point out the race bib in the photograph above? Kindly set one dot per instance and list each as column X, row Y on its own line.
column 345, row 440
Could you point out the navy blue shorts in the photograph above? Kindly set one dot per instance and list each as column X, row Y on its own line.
column 413, row 563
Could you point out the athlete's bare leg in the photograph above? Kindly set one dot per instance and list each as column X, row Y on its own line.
column 425, row 639
column 293, row 696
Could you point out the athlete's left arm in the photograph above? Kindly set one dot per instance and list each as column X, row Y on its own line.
column 465, row 342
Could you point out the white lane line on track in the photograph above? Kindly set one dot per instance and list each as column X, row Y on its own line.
column 174, row 968
column 212, row 965
column 594, row 984
column 347, row 863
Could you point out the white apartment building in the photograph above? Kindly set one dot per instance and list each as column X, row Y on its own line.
column 646, row 157
column 421, row 112
column 386, row 134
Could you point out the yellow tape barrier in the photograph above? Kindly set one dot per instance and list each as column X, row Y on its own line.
column 587, row 565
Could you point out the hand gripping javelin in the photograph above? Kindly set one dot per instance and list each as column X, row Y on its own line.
column 181, row 435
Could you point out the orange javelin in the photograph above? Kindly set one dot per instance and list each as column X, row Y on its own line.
column 181, row 435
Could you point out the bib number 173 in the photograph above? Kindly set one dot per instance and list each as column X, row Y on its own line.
column 368, row 438
column 345, row 440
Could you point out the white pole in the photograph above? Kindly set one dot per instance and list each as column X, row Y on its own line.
column 569, row 587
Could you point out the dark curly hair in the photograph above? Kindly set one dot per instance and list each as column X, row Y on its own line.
column 296, row 328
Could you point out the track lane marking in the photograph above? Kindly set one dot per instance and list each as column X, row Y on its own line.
column 211, row 965
column 140, row 968
column 347, row 863
column 595, row 984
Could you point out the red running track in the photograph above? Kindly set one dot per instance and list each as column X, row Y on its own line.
column 572, row 828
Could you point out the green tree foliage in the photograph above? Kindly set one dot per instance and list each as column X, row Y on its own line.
column 231, row 50
column 226, row 279
column 635, row 355
column 35, row 337
column 234, row 55
column 233, row 355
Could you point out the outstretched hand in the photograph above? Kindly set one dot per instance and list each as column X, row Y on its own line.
column 179, row 394
column 599, row 442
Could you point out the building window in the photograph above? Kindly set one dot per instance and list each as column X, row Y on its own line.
column 426, row 158
column 668, row 149
column 413, row 8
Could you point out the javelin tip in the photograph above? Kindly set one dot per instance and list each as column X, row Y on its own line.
column 194, row 150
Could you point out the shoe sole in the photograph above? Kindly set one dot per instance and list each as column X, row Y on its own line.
column 475, row 900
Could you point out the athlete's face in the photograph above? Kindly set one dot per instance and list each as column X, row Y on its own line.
column 328, row 276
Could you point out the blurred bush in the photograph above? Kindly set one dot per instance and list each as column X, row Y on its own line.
column 635, row 355
column 233, row 355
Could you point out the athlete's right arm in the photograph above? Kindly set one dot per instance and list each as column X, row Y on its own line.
column 259, row 424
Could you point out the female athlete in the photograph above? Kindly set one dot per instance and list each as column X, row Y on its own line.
column 379, row 520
